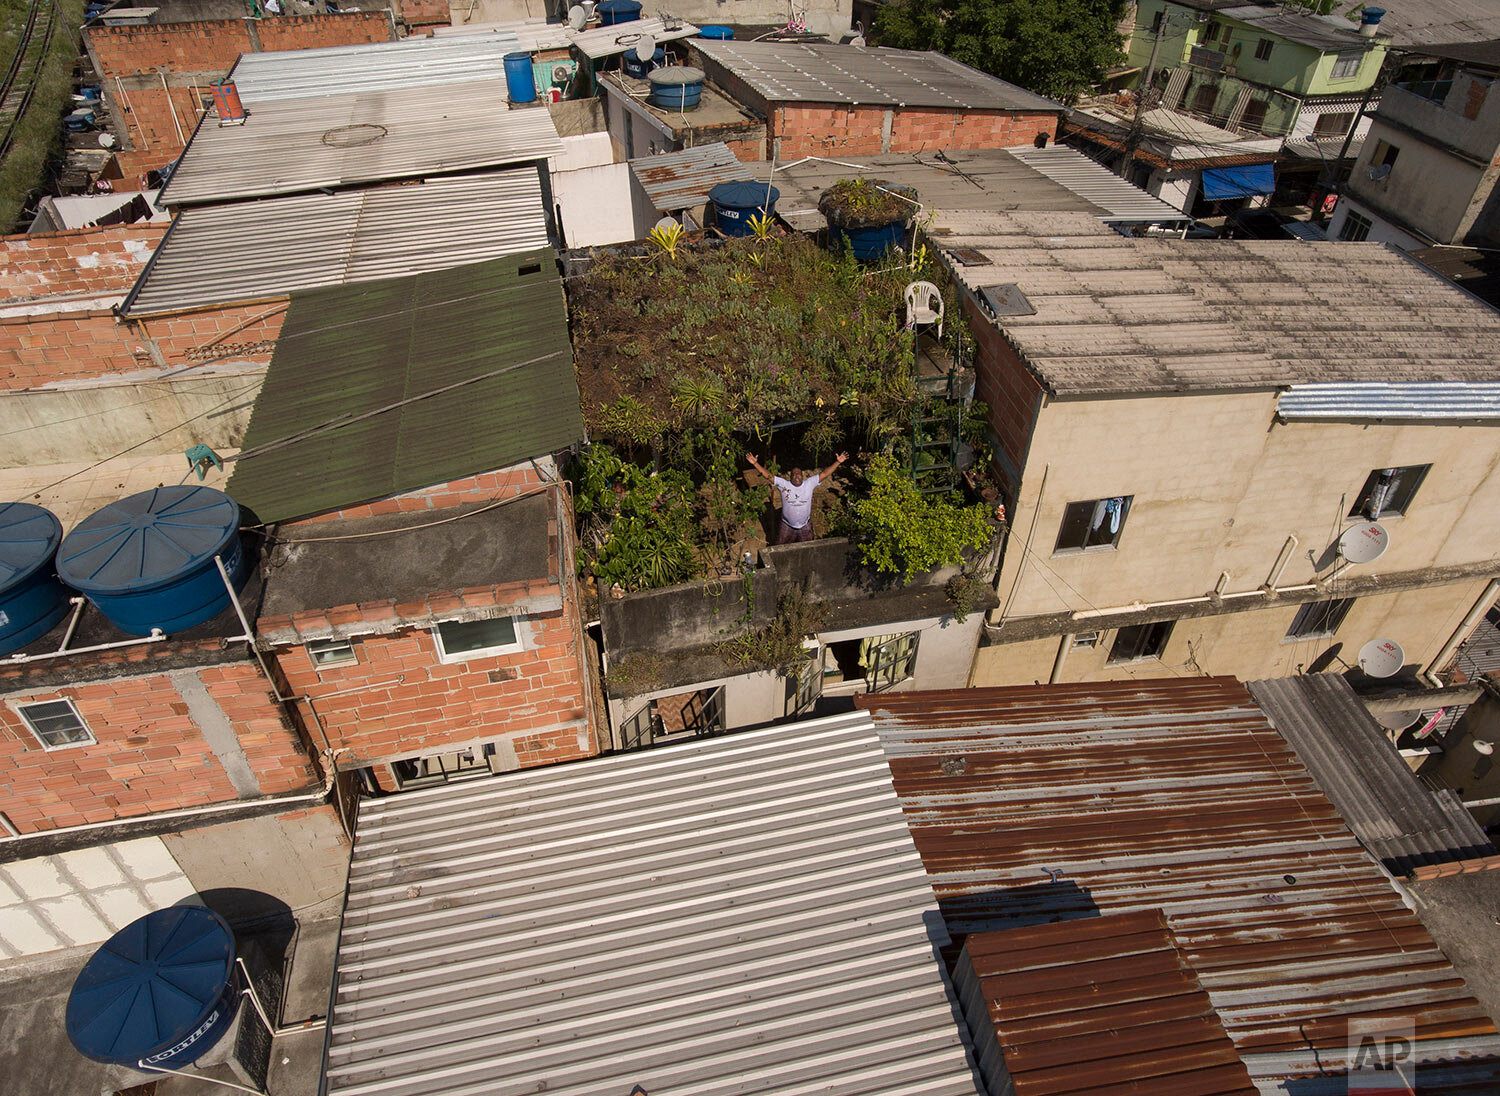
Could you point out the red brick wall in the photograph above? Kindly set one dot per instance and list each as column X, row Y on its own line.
column 485, row 487
column 210, row 45
column 148, row 120
column 75, row 260
column 434, row 706
column 858, row 131
column 313, row 31
column 422, row 13
column 149, row 756
column 1010, row 390
column 747, row 150
column 72, row 345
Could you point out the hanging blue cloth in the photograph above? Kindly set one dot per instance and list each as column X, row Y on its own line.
column 1113, row 507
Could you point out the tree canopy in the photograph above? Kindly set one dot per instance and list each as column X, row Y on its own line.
column 1057, row 48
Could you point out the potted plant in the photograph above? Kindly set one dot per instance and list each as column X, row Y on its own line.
column 870, row 215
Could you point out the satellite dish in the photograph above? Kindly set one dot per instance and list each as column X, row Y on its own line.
column 1379, row 172
column 645, row 49
column 667, row 223
column 1381, row 657
column 858, row 41
column 1364, row 543
column 1397, row 721
column 107, row 140
column 577, row 17
column 1487, row 749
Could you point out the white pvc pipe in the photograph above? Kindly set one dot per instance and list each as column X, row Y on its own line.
column 156, row 636
column 1461, row 633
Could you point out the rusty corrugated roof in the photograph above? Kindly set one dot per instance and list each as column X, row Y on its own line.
column 1084, row 1006
column 681, row 180
column 1049, row 803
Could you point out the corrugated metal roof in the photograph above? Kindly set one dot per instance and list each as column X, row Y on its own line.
column 292, row 146
column 254, row 251
column 1399, row 819
column 443, row 375
column 1416, row 401
column 680, row 180
column 743, row 914
column 1117, row 315
column 1095, row 183
column 800, row 72
column 599, row 42
column 380, row 66
column 1324, row 33
column 1046, row 803
column 1084, row 1006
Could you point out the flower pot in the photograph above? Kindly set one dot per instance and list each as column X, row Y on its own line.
column 869, row 244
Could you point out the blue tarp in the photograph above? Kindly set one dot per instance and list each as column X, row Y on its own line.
column 1238, row 182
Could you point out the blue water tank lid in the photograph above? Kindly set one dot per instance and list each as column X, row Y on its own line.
column 676, row 74
column 1371, row 15
column 520, row 55
column 147, row 540
column 716, row 31
column 743, row 195
column 29, row 536
column 151, row 984
column 623, row 7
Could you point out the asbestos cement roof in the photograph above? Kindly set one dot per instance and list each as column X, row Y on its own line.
column 1431, row 401
column 1052, row 180
column 798, row 72
column 379, row 66
column 293, row 146
column 394, row 385
column 682, row 180
column 255, row 251
column 596, row 43
column 743, row 914
column 1399, row 819
column 1079, row 1007
column 1321, row 32
column 1052, row 803
column 1113, row 315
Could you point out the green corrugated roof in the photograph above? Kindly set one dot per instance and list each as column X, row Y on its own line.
column 350, row 350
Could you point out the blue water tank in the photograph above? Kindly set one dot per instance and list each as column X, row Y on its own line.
column 147, row 561
column 520, row 81
column 160, row 991
column 637, row 68
column 716, row 32
column 869, row 244
column 735, row 203
column 676, row 87
column 31, row 598
column 612, row 12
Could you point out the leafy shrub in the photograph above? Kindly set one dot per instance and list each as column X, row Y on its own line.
column 639, row 526
column 901, row 531
column 867, row 203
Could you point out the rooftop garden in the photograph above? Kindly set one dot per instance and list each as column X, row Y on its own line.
column 695, row 356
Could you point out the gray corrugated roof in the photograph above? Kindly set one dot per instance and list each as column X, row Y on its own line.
column 293, row 146
column 599, row 42
column 1321, row 32
column 1411, row 22
column 264, row 250
column 680, row 180
column 1400, row 820
column 1415, row 402
column 744, row 914
column 1117, row 315
column 379, row 66
column 442, row 375
column 808, row 73
column 970, row 181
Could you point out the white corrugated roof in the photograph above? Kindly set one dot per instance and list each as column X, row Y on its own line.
column 291, row 146
column 262, row 250
column 380, row 66
column 597, row 42
column 744, row 914
column 1420, row 401
column 1092, row 181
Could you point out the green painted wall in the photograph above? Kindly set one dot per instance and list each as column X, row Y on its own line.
column 1292, row 67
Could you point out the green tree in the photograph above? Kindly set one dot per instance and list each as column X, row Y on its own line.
column 1057, row 48
column 901, row 531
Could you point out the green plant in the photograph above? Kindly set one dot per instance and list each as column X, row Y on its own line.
column 698, row 396
column 867, row 203
column 631, row 421
column 965, row 591
column 634, row 673
column 761, row 226
column 901, row 531
column 640, row 524
column 667, row 239
column 778, row 646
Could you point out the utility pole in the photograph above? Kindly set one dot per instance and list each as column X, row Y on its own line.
column 1148, row 82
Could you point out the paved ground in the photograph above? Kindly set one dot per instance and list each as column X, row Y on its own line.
column 36, row 1058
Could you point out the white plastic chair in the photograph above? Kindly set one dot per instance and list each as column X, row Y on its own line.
column 924, row 304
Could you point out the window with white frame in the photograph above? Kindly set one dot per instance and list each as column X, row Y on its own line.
column 331, row 652
column 1355, row 228
column 460, row 640
column 1346, row 66
column 56, row 723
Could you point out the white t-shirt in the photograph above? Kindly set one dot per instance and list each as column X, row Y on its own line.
column 796, row 500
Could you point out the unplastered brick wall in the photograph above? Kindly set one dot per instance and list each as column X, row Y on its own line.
column 83, row 339
column 351, row 28
column 820, row 129
column 75, row 262
column 399, row 698
column 424, row 13
column 150, row 753
column 503, row 483
column 213, row 45
column 159, row 121
column 1005, row 386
